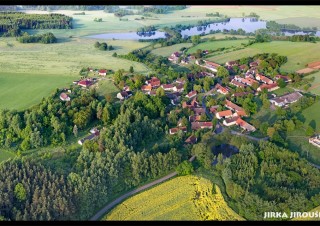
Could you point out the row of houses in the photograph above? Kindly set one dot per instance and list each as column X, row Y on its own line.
column 233, row 115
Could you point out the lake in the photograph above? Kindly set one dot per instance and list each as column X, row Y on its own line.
column 247, row 24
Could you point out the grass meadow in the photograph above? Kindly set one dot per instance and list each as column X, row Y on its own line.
column 21, row 90
column 298, row 53
column 214, row 45
column 182, row 198
column 315, row 88
column 168, row 50
column 4, row 155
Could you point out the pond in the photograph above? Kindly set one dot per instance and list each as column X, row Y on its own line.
column 226, row 150
column 247, row 24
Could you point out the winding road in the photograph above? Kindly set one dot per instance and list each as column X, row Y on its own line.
column 118, row 200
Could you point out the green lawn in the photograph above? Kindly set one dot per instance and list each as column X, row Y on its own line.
column 298, row 53
column 315, row 88
column 217, row 44
column 168, row 50
column 20, row 90
column 312, row 115
column 4, row 155
column 282, row 91
column 106, row 87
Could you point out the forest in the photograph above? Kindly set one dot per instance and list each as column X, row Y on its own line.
column 14, row 20
column 262, row 176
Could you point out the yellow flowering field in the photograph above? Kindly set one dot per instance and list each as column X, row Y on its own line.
column 182, row 198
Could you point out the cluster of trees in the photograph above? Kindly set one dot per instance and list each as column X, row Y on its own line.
column 162, row 9
column 103, row 46
column 42, row 38
column 97, row 20
column 30, row 191
column 265, row 176
column 50, row 122
column 62, row 7
column 146, row 29
column 274, row 26
column 261, row 177
column 9, row 20
column 216, row 14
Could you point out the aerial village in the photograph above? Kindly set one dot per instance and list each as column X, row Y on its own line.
column 223, row 115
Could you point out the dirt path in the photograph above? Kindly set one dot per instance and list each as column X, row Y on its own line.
column 99, row 214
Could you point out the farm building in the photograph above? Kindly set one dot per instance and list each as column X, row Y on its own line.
column 201, row 125
column 268, row 87
column 102, row 72
column 286, row 99
column 85, row 83
column 191, row 140
column 224, row 114
column 124, row 95
column 191, row 94
column 315, row 141
column 177, row 129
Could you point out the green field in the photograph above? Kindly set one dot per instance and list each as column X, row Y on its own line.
column 168, row 50
column 30, row 72
column 218, row 36
column 106, row 87
column 182, row 198
column 315, row 88
column 217, row 44
column 312, row 114
column 282, row 91
column 298, row 53
column 4, row 155
column 21, row 90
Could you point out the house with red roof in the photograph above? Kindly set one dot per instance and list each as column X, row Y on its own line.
column 167, row 87
column 64, row 97
column 263, row 79
column 249, row 81
column 192, row 94
column 230, row 121
column 237, row 84
column 191, row 140
column 193, row 104
column 201, row 125
column 154, row 82
column 85, row 83
column 102, row 72
column 233, row 106
column 224, row 114
column 146, row 88
column 268, row 87
column 212, row 66
column 221, row 89
column 177, row 129
column 244, row 125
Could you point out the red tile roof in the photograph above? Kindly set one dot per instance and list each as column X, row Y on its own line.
column 191, row 140
column 233, row 106
column 191, row 94
column 224, row 113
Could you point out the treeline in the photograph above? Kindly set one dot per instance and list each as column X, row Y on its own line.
column 43, row 38
column 146, row 29
column 103, row 46
column 61, row 7
column 274, row 26
column 9, row 20
column 297, row 38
